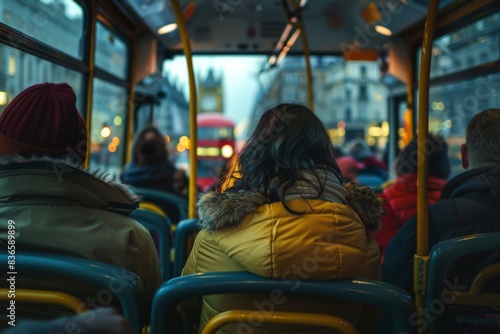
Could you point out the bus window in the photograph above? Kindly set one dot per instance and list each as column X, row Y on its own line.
column 454, row 104
column 460, row 93
column 107, row 131
column 18, row 72
column 111, row 52
column 42, row 20
column 470, row 46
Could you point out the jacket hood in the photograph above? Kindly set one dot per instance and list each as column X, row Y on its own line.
column 479, row 180
column 218, row 211
column 48, row 177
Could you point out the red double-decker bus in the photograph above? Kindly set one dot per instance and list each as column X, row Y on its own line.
column 216, row 144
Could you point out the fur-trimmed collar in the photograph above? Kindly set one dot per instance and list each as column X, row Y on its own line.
column 219, row 211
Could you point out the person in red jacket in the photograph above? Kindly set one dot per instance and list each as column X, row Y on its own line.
column 401, row 196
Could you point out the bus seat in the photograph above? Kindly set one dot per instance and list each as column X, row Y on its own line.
column 152, row 207
column 401, row 305
column 176, row 207
column 161, row 227
column 183, row 243
column 339, row 325
column 109, row 284
column 371, row 180
column 46, row 297
column 452, row 304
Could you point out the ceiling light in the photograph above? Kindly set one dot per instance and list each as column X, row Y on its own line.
column 383, row 30
column 167, row 28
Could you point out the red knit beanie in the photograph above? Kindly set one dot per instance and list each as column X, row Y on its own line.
column 43, row 120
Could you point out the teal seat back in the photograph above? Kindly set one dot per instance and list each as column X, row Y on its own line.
column 450, row 302
column 398, row 303
column 161, row 225
column 184, row 230
column 112, row 281
column 173, row 202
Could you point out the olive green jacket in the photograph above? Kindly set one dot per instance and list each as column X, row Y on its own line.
column 63, row 209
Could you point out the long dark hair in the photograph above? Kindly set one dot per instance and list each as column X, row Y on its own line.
column 288, row 139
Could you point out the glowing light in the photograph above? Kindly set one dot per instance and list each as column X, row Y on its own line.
column 167, row 138
column 180, row 147
column 272, row 60
column 115, row 141
column 12, row 66
column 167, row 28
column 227, row 151
column 183, row 140
column 383, row 30
column 213, row 151
column 374, row 131
column 208, row 151
column 111, row 147
column 3, row 98
column 385, row 128
column 105, row 131
column 117, row 120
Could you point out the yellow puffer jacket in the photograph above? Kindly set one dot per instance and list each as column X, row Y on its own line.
column 326, row 241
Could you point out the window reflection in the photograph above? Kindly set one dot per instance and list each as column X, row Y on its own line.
column 57, row 23
column 111, row 52
column 108, row 127
column 453, row 105
column 470, row 46
column 16, row 75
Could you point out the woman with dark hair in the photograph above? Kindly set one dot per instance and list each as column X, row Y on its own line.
column 281, row 206
column 401, row 196
column 150, row 168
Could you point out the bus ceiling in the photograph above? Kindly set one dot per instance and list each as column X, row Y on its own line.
column 267, row 26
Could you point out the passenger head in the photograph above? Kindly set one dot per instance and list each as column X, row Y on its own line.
column 439, row 163
column 359, row 149
column 482, row 140
column 43, row 121
column 149, row 147
column 349, row 167
column 288, row 139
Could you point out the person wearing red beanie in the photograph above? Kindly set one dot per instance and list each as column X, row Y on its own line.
column 43, row 120
column 56, row 205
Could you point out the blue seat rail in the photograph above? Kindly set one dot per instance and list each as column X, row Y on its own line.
column 399, row 304
column 126, row 286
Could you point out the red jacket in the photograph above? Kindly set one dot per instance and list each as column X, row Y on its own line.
column 401, row 205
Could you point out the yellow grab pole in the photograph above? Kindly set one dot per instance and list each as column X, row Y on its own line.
column 305, row 48
column 421, row 258
column 410, row 110
column 181, row 24
column 90, row 83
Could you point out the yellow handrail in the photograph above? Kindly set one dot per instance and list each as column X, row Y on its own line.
column 152, row 207
column 47, row 297
column 90, row 80
column 293, row 318
column 181, row 24
column 421, row 257
column 305, row 48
